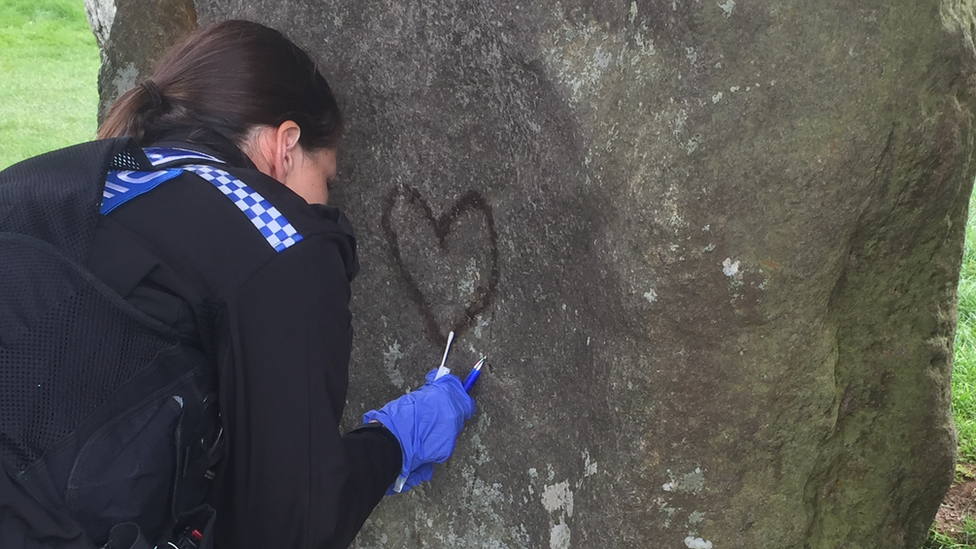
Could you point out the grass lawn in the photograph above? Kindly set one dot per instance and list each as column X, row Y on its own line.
column 48, row 99
column 964, row 363
column 48, row 77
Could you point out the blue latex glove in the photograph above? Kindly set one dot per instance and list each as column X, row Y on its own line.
column 426, row 422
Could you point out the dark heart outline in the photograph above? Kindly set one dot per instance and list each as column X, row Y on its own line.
column 471, row 200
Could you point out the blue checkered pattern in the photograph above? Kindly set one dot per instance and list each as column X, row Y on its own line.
column 268, row 220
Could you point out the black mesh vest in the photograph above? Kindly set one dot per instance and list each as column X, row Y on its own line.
column 105, row 416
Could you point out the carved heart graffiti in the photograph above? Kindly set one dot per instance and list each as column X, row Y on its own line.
column 481, row 296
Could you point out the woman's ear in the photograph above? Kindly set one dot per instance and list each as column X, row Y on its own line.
column 286, row 149
column 274, row 151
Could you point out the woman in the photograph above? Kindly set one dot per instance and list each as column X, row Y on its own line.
column 222, row 233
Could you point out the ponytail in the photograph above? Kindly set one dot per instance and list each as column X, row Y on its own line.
column 229, row 78
column 130, row 110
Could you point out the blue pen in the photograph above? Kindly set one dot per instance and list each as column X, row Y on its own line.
column 473, row 375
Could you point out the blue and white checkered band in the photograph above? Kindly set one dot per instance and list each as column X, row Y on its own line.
column 159, row 156
column 268, row 220
column 122, row 186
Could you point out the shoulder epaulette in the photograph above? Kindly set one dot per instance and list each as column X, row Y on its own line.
column 272, row 225
column 124, row 185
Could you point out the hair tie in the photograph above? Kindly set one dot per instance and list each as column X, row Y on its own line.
column 154, row 94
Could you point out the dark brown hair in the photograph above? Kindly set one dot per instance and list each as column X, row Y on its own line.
column 229, row 78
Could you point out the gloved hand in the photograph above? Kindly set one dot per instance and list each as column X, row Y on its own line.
column 426, row 422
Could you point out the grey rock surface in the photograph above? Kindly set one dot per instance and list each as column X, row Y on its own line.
column 710, row 248
column 132, row 35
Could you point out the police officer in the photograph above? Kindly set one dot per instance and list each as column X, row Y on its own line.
column 228, row 238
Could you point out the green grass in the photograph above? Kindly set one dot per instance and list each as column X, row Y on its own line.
column 48, row 77
column 964, row 540
column 964, row 363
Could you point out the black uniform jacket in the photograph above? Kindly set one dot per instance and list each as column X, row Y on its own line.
column 278, row 327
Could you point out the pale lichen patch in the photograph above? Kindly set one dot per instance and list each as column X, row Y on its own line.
column 480, row 324
column 959, row 16
column 390, row 358
column 560, row 536
column 728, row 7
column 690, row 482
column 558, row 496
column 125, row 79
column 589, row 467
column 730, row 268
column 692, row 542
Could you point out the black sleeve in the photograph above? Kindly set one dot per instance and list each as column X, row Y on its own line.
column 290, row 480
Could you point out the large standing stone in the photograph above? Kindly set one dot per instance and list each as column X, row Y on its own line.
column 131, row 48
column 710, row 247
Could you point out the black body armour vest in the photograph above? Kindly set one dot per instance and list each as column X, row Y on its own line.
column 106, row 416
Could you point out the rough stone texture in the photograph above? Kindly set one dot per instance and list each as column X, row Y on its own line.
column 710, row 248
column 132, row 35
